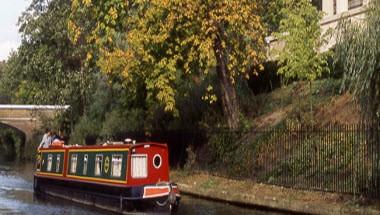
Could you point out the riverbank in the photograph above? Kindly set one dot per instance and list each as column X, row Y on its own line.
column 278, row 198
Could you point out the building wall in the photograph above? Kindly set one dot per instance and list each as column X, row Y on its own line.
column 334, row 10
column 336, row 7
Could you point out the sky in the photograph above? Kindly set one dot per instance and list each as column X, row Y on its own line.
column 10, row 39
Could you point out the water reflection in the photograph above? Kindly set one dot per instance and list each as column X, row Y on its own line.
column 17, row 197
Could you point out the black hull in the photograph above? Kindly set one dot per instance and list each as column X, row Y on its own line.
column 115, row 199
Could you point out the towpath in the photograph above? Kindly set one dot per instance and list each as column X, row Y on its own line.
column 248, row 193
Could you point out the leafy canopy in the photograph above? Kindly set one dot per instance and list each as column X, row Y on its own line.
column 162, row 38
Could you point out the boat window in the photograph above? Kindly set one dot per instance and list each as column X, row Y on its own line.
column 157, row 161
column 50, row 162
column 116, row 165
column 98, row 165
column 139, row 166
column 73, row 166
column 58, row 163
column 39, row 161
column 85, row 162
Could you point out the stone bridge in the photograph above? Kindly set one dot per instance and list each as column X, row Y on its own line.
column 27, row 119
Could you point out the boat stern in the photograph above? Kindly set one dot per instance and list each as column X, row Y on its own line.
column 163, row 194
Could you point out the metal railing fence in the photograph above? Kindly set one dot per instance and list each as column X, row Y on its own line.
column 335, row 158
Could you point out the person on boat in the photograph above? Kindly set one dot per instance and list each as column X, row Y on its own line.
column 46, row 139
column 58, row 140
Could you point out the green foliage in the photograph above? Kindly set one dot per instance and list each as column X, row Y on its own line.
column 163, row 38
column 191, row 160
column 321, row 156
column 273, row 14
column 10, row 144
column 4, row 92
column 209, row 184
column 300, row 31
column 326, row 87
column 84, row 130
column 47, row 68
column 117, row 122
column 222, row 145
column 358, row 51
column 97, row 22
column 9, row 79
column 229, row 156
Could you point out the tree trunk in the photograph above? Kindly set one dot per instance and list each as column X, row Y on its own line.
column 228, row 92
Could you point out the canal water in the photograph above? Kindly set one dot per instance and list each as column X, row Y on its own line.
column 17, row 197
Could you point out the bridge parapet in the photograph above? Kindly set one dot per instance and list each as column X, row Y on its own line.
column 28, row 112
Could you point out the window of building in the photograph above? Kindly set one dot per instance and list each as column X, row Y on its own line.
column 354, row 4
column 58, row 163
column 116, row 165
column 98, row 165
column 50, row 162
column 73, row 166
column 139, row 166
column 85, row 163
column 334, row 2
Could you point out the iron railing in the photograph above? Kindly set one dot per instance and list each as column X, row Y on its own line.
column 335, row 158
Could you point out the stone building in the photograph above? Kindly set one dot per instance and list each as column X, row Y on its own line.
column 334, row 11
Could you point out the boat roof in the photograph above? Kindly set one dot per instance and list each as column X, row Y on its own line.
column 104, row 146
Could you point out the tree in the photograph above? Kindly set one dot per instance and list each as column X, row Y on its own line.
column 358, row 51
column 9, row 80
column 3, row 91
column 2, row 64
column 273, row 15
column 301, row 33
column 162, row 38
column 47, row 67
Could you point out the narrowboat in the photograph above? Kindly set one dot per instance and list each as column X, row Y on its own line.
column 131, row 176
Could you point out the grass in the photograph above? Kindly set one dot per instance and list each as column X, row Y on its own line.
column 208, row 184
column 296, row 94
column 282, row 152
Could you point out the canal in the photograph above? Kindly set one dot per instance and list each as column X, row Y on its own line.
column 16, row 197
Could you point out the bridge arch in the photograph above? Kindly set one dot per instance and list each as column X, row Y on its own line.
column 12, row 142
column 27, row 120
